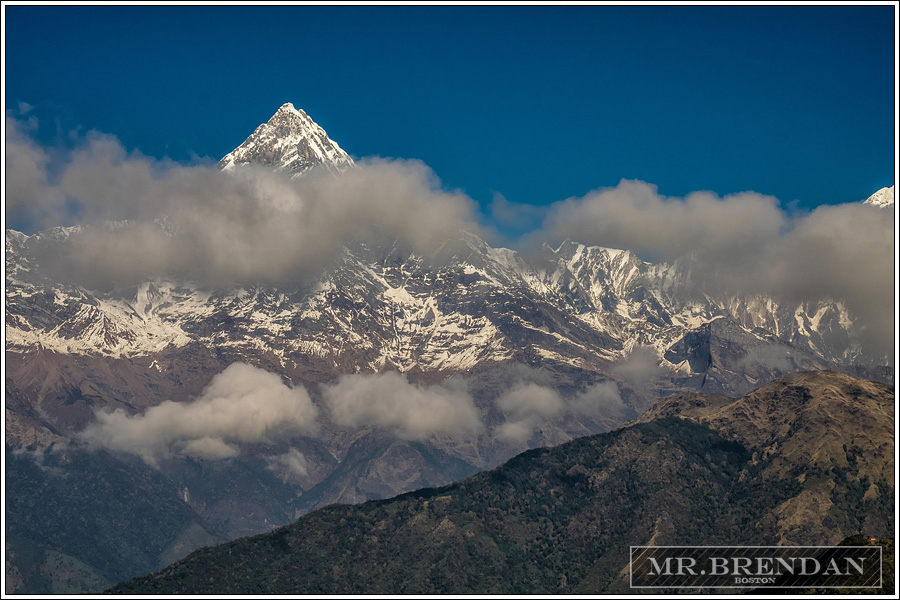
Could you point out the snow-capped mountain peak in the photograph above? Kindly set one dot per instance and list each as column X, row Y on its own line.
column 291, row 141
column 883, row 198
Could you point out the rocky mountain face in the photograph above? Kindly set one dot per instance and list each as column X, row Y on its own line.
column 814, row 422
column 883, row 198
column 467, row 304
column 289, row 141
column 545, row 348
column 805, row 460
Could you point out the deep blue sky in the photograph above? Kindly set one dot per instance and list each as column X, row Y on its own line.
column 535, row 103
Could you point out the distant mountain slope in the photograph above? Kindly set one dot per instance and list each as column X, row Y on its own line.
column 382, row 306
column 560, row 520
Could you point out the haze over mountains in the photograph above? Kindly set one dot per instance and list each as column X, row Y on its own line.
column 173, row 346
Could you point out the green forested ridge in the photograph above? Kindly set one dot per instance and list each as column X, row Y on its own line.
column 38, row 494
column 76, row 517
column 557, row 520
column 887, row 571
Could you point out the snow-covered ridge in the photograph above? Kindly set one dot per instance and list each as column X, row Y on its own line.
column 883, row 198
column 380, row 307
column 289, row 141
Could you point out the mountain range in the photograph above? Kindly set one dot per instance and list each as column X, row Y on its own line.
column 486, row 351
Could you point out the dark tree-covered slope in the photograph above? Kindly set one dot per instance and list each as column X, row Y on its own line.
column 715, row 471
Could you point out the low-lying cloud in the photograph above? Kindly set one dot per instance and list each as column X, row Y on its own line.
column 639, row 368
column 407, row 410
column 292, row 464
column 39, row 457
column 528, row 405
column 531, row 399
column 242, row 404
column 772, row 357
column 599, row 400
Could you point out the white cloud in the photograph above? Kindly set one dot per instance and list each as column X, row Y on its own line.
column 517, row 431
column 211, row 448
column 290, row 464
column 242, row 404
column 29, row 196
column 634, row 216
column 409, row 411
column 527, row 406
column 259, row 226
column 530, row 400
column 639, row 368
column 599, row 400
column 745, row 243
column 844, row 252
column 250, row 224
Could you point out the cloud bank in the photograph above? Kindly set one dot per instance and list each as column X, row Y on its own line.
column 746, row 243
column 257, row 226
column 242, row 404
column 250, row 224
column 634, row 216
column 409, row 411
column 30, row 197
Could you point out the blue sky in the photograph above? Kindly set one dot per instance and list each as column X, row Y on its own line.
column 534, row 103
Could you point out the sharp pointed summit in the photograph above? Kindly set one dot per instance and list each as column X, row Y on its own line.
column 290, row 141
column 883, row 198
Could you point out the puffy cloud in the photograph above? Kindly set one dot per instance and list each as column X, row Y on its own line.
column 518, row 431
column 209, row 447
column 30, row 197
column 242, row 404
column 635, row 217
column 531, row 399
column 599, row 400
column 843, row 252
column 639, row 368
column 249, row 224
column 527, row 405
column 745, row 243
column 409, row 411
column 290, row 464
column 254, row 225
